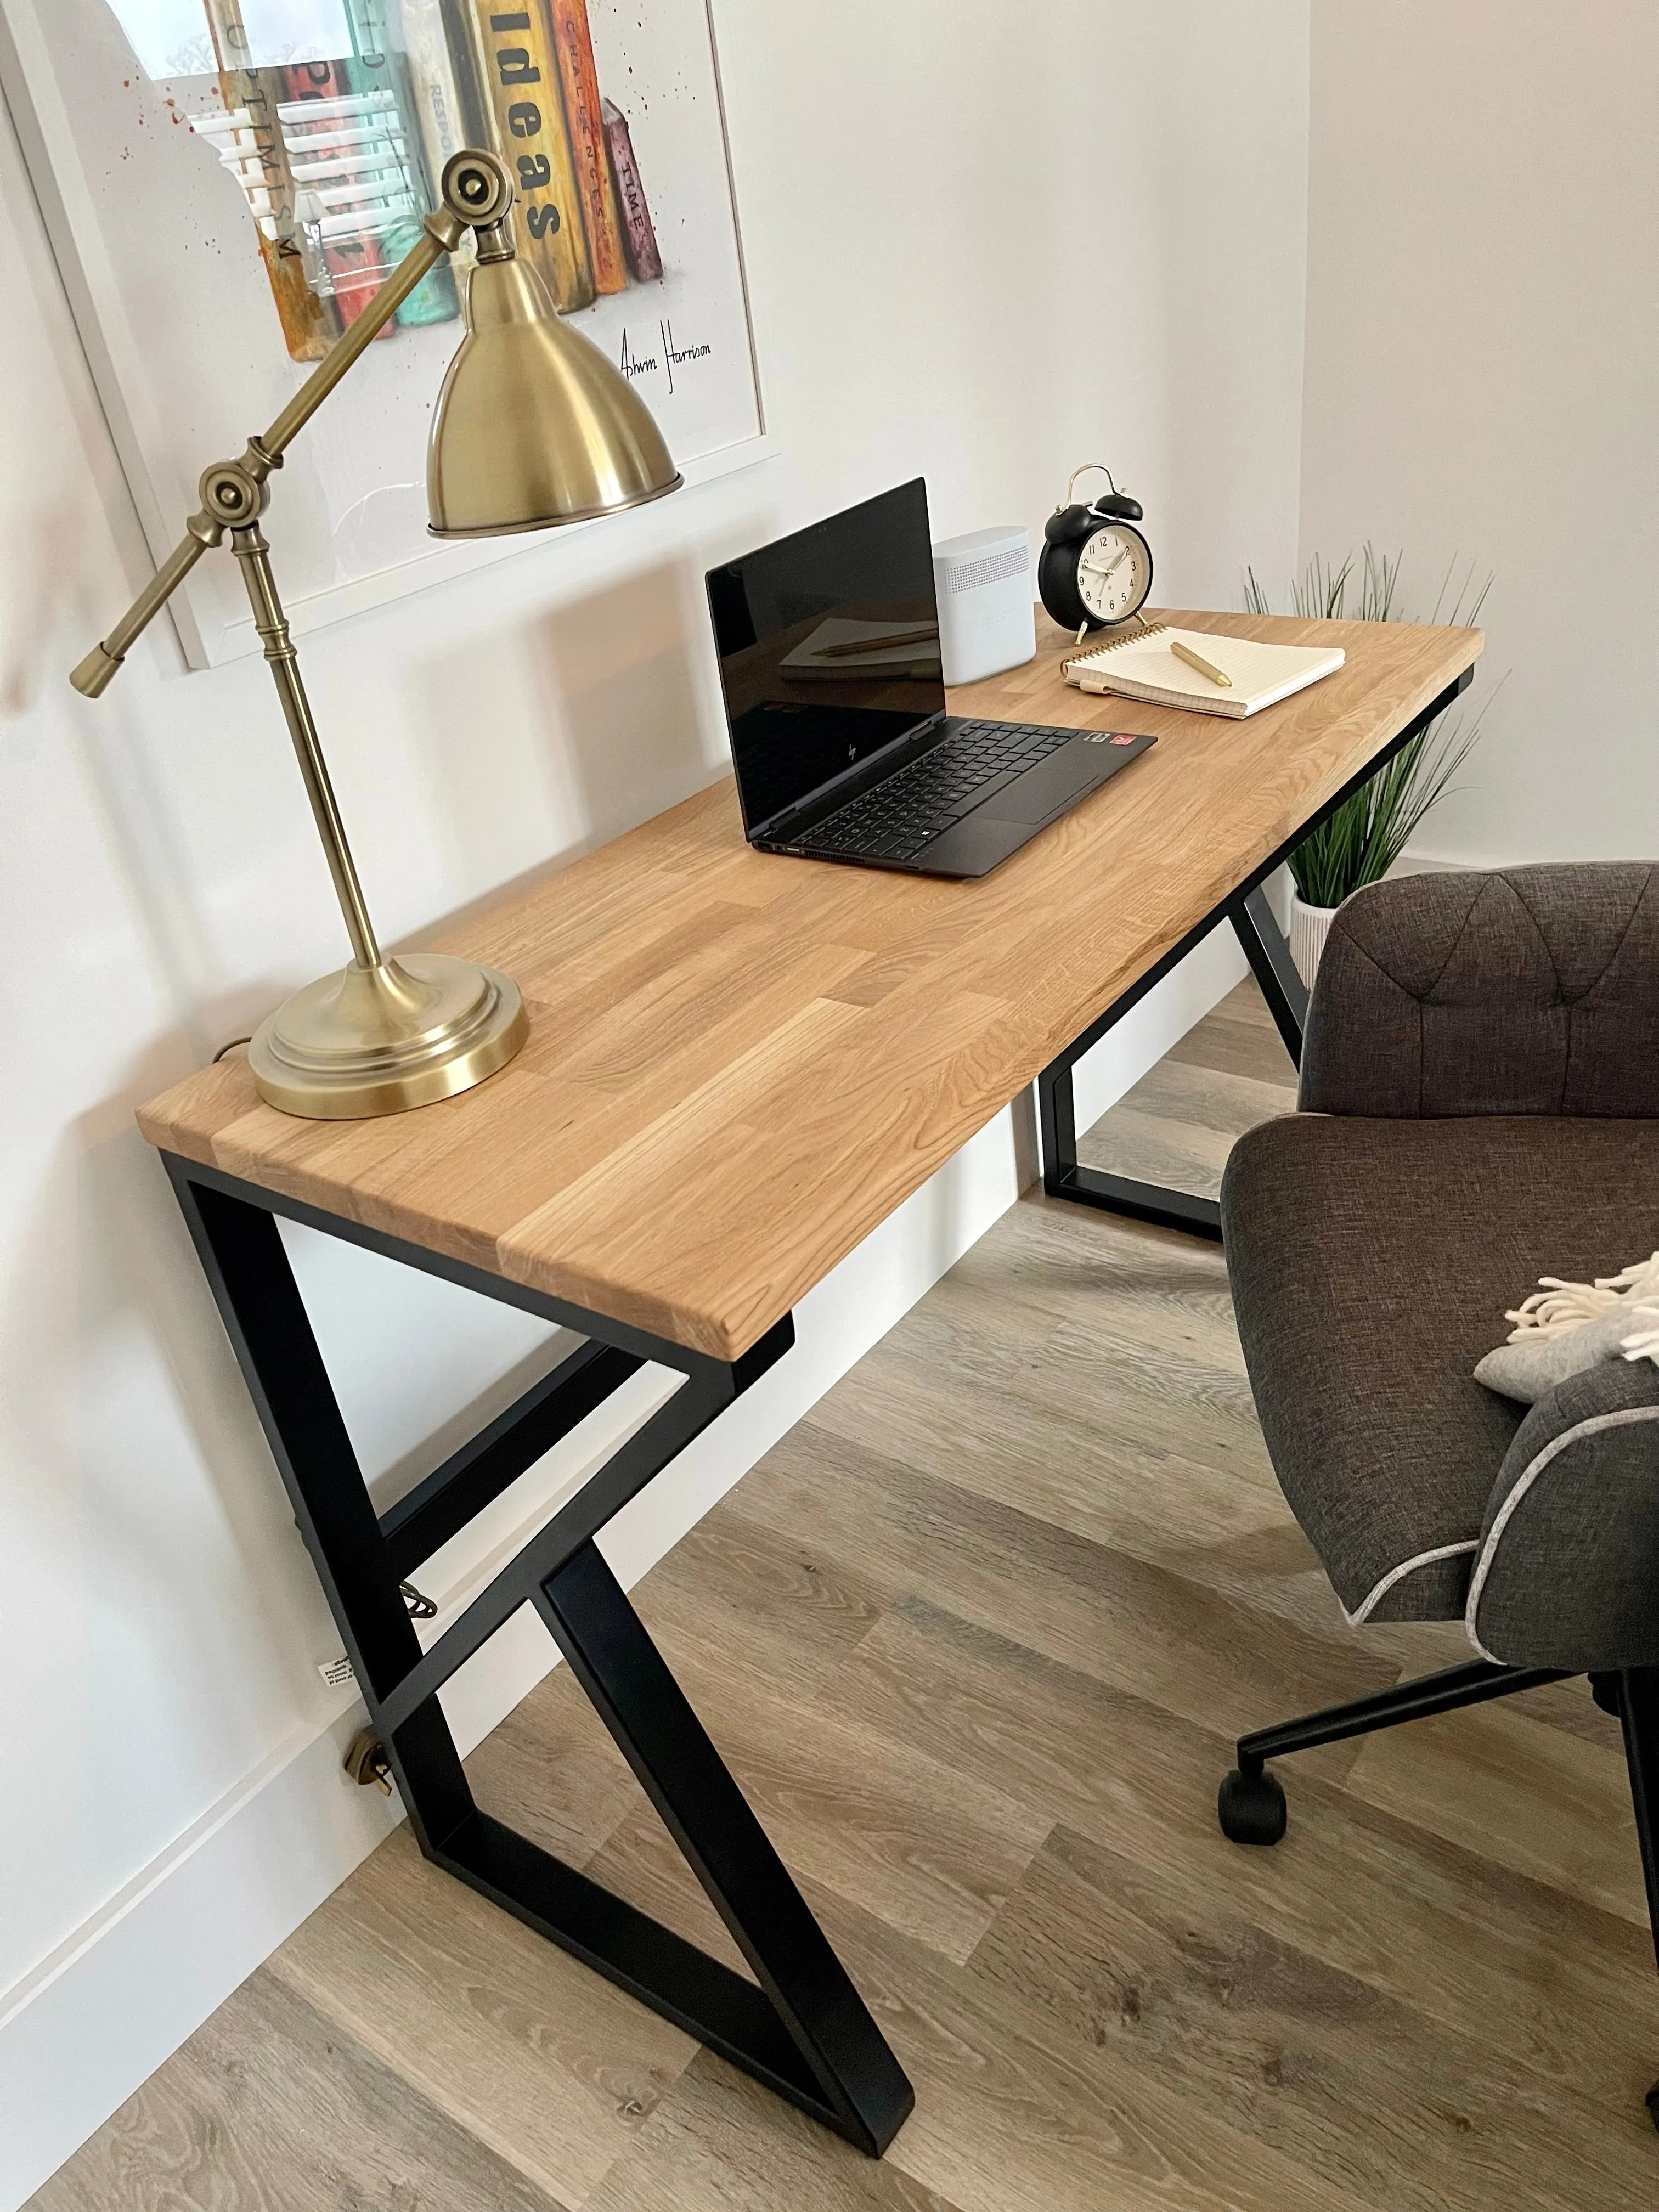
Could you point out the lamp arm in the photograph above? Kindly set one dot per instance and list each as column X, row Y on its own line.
column 233, row 494
column 440, row 233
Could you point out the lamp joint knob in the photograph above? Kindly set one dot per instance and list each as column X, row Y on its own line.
column 233, row 495
column 478, row 186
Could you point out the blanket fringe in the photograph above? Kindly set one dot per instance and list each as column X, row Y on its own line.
column 1556, row 1306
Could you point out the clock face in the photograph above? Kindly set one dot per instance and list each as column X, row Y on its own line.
column 1113, row 571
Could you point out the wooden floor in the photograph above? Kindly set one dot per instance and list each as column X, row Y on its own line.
column 974, row 1639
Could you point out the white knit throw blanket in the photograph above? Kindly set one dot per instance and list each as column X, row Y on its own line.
column 1555, row 1307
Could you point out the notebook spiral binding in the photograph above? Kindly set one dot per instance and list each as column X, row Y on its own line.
column 1097, row 652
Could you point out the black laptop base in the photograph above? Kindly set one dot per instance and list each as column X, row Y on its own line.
column 965, row 805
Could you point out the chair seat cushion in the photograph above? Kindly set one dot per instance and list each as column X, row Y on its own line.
column 1371, row 1262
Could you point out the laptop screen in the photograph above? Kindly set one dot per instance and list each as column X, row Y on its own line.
column 829, row 648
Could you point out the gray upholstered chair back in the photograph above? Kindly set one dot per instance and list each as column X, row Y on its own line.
column 1531, row 991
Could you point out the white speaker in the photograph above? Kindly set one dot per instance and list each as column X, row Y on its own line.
column 983, row 585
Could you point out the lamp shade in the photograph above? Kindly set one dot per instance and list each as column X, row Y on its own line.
column 533, row 425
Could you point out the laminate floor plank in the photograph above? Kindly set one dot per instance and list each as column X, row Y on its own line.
column 1238, row 1038
column 730, row 1584
column 270, row 2107
column 1135, row 1138
column 976, row 1638
column 723, row 2144
column 551, row 1770
column 1177, row 1125
column 1100, row 1611
column 1112, row 1390
column 1498, row 1957
column 1083, row 1374
column 1093, row 1478
column 1546, row 1802
column 932, row 1850
column 1014, row 2113
column 1185, row 1096
column 1357, row 2086
column 519, row 2045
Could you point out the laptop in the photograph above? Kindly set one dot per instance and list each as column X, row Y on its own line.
column 829, row 658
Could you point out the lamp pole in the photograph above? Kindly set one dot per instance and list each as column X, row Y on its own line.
column 534, row 427
column 387, row 1034
column 477, row 195
column 254, row 555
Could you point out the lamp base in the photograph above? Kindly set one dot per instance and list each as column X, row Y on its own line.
column 382, row 1040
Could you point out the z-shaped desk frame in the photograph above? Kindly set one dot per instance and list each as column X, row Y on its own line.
column 805, row 2031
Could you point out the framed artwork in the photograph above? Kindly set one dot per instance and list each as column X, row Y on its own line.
column 228, row 181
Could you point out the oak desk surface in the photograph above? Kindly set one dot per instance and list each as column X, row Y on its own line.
column 739, row 1063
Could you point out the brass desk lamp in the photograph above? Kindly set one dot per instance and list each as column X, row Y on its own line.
column 534, row 427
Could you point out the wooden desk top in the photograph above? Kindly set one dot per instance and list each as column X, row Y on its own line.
column 739, row 1063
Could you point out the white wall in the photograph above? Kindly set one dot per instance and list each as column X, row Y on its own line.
column 1483, row 378
column 985, row 242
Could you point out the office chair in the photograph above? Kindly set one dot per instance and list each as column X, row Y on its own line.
column 1479, row 1105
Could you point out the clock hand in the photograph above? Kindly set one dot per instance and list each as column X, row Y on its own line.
column 1107, row 575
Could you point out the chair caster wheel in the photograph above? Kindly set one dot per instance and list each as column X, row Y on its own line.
column 1651, row 2101
column 1251, row 1808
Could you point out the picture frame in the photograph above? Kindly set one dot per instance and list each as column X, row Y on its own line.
column 173, row 273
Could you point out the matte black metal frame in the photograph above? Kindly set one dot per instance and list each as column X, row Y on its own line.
column 1251, row 1805
column 1472, row 1684
column 1257, row 930
column 801, row 2027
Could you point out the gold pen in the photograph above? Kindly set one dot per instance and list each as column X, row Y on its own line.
column 1197, row 661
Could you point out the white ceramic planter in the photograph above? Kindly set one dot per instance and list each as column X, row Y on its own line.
column 1309, row 927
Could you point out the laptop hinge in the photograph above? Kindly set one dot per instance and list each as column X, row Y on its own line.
column 830, row 798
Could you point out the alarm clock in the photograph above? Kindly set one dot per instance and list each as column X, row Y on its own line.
column 1094, row 569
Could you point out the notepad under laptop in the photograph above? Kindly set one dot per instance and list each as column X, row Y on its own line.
column 1143, row 667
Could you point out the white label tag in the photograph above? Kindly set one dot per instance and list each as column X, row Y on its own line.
column 337, row 1673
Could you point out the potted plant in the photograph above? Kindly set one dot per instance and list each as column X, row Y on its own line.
column 1370, row 831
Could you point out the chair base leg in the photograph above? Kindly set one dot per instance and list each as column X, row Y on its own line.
column 1251, row 1805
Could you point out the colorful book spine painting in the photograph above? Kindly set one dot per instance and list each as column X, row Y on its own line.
column 519, row 75
column 340, row 158
column 248, row 140
column 440, row 93
column 400, row 190
column 332, row 139
column 578, row 81
column 638, row 231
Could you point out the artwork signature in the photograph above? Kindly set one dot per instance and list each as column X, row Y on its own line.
column 667, row 356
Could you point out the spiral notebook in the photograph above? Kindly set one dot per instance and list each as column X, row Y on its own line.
column 1142, row 666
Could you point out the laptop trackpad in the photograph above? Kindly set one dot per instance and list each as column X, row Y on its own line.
column 1042, row 793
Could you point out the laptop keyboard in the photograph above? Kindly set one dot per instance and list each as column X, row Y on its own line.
column 899, row 818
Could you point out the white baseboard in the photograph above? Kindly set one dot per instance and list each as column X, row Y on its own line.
column 99, row 2016
column 93, row 2021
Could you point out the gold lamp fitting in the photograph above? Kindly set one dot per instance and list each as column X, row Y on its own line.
column 379, row 1040
column 534, row 427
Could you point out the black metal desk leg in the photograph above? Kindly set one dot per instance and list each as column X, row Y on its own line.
column 861, row 2088
column 1269, row 955
column 1256, row 927
column 1064, row 1175
column 805, row 2031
